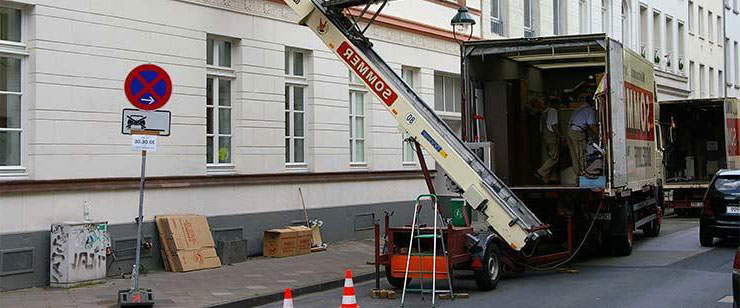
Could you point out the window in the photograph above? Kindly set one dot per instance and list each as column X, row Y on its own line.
column 218, row 101
column 657, row 39
column 700, row 20
column 356, row 127
column 681, row 47
column 11, row 89
column 710, row 28
column 296, row 88
column 409, row 75
column 497, row 19
column 737, row 64
column 719, row 30
column 644, row 20
column 691, row 16
column 720, row 82
column 605, row 16
column 446, row 93
column 692, row 81
column 728, row 60
column 702, row 81
column 711, row 81
column 626, row 24
column 583, row 12
column 734, row 5
column 558, row 17
column 669, row 61
column 529, row 18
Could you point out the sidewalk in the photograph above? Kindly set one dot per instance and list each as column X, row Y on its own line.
column 253, row 282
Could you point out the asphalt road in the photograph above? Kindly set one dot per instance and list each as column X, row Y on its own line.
column 672, row 270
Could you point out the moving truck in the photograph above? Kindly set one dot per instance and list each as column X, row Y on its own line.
column 621, row 192
column 701, row 138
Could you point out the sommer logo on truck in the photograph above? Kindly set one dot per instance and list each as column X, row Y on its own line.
column 371, row 78
column 640, row 113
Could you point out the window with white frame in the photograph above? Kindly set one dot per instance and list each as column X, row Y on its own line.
column 719, row 30
column 692, row 78
column 702, row 81
column 605, row 16
column 296, row 87
column 12, row 57
column 690, row 17
column 737, row 64
column 700, row 21
column 446, row 93
column 710, row 24
column 728, row 59
column 219, row 102
column 409, row 75
column 711, row 81
column 583, row 16
column 529, row 24
column 497, row 17
column 626, row 24
column 356, row 127
column 720, row 82
column 681, row 47
column 558, row 17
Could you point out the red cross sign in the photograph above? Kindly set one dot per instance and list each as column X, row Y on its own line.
column 148, row 87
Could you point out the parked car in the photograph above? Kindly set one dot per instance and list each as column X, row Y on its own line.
column 736, row 280
column 720, row 216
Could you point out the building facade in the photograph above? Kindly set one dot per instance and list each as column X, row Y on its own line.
column 732, row 37
column 259, row 108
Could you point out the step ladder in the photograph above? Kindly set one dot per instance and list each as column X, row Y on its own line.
column 436, row 236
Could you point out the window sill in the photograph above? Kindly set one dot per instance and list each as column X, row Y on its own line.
column 221, row 71
column 299, row 80
column 296, row 167
column 219, row 169
column 702, row 38
column 736, row 11
column 737, row 86
column 409, row 164
column 358, row 165
column 13, row 173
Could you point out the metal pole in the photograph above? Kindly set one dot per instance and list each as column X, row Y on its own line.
column 463, row 103
column 139, row 221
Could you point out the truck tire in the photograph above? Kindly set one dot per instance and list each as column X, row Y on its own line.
column 487, row 278
column 622, row 242
column 394, row 281
column 705, row 237
column 652, row 229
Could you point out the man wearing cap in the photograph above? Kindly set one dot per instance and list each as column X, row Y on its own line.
column 582, row 122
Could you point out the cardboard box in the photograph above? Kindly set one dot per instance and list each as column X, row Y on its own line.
column 304, row 239
column 279, row 243
column 186, row 242
column 289, row 241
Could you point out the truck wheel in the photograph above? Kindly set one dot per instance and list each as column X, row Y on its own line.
column 652, row 229
column 622, row 243
column 394, row 281
column 487, row 278
column 705, row 237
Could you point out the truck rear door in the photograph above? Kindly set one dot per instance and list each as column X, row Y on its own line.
column 732, row 132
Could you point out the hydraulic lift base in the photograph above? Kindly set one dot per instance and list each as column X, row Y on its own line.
column 135, row 298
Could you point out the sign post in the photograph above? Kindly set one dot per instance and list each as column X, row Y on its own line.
column 148, row 87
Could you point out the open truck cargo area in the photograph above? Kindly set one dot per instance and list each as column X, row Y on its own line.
column 619, row 191
column 700, row 139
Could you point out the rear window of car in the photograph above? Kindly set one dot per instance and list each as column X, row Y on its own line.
column 727, row 184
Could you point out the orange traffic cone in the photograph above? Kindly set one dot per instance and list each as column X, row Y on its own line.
column 348, row 298
column 288, row 299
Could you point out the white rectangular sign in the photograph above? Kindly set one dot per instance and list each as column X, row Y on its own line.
column 135, row 119
column 144, row 143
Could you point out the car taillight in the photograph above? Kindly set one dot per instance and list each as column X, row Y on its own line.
column 736, row 264
column 707, row 210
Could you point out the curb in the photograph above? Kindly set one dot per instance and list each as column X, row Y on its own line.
column 274, row 297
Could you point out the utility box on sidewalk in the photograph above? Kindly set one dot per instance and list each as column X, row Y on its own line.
column 78, row 253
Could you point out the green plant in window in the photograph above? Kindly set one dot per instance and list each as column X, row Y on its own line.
column 223, row 153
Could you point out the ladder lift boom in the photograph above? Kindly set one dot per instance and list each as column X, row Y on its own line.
column 505, row 212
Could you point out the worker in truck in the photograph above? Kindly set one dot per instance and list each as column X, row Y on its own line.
column 582, row 123
column 549, row 128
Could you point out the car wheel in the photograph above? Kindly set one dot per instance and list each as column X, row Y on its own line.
column 705, row 237
column 487, row 278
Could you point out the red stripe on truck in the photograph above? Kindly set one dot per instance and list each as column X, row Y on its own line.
column 640, row 113
column 367, row 74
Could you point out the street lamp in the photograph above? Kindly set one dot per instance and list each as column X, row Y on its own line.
column 462, row 25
